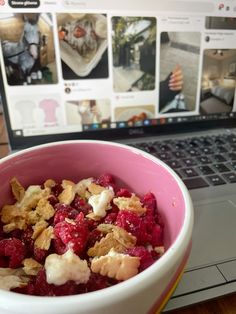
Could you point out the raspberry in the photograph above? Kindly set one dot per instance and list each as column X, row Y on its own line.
column 149, row 201
column 94, row 236
column 80, row 205
column 157, row 236
column 123, row 193
column 64, row 211
column 14, row 249
column 146, row 258
column 75, row 236
column 58, row 246
column 106, row 180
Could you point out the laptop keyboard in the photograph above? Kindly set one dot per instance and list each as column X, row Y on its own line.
column 199, row 161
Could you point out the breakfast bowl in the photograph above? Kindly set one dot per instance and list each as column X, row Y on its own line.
column 134, row 171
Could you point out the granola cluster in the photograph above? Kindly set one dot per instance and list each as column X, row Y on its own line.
column 64, row 238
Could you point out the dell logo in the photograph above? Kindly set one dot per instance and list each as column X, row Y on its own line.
column 138, row 131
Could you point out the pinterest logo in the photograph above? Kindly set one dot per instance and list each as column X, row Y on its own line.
column 2, row 2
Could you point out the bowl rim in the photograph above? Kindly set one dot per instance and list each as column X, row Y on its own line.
column 176, row 249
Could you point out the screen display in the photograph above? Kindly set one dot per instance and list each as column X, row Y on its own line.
column 81, row 66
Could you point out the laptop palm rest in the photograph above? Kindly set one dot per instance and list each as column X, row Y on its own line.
column 214, row 234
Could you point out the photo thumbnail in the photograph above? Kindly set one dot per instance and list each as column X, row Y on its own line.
column 218, row 81
column 83, row 45
column 28, row 48
column 179, row 67
column 134, row 53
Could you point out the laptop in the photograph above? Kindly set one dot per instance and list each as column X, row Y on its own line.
column 157, row 75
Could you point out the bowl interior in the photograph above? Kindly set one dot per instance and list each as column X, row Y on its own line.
column 76, row 160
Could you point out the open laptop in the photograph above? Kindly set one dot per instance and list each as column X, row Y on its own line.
column 158, row 75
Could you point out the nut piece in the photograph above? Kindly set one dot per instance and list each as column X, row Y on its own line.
column 17, row 189
column 31, row 266
column 116, row 238
column 43, row 241
column 130, row 203
column 116, row 265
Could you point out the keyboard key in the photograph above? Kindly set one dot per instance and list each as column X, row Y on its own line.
column 215, row 180
column 189, row 172
column 163, row 156
column 221, row 167
column 221, row 149
column 233, row 165
column 232, row 156
column 175, row 164
column 219, row 158
column 206, row 170
column 204, row 160
column 207, row 151
column 179, row 154
column 195, row 183
column 230, row 177
column 194, row 152
column 189, row 162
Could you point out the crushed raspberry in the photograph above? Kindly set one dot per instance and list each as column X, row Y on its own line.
column 64, row 211
column 80, row 205
column 145, row 256
column 75, row 236
column 14, row 249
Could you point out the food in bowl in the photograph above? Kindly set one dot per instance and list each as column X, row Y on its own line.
column 66, row 238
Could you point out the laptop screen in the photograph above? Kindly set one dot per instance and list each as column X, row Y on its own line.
column 97, row 69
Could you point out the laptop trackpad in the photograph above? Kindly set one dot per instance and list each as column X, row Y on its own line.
column 214, row 234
